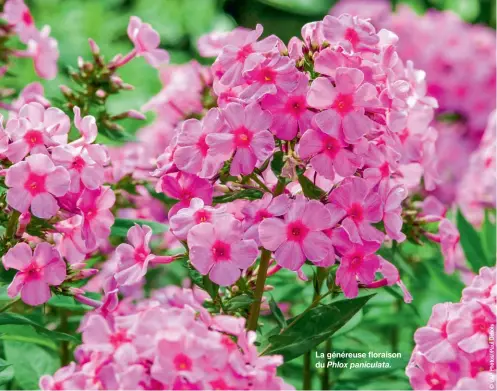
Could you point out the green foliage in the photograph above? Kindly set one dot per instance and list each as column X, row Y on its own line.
column 247, row 194
column 488, row 236
column 313, row 327
column 309, row 189
column 121, row 226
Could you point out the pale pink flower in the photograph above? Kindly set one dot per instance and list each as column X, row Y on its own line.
column 146, row 41
column 482, row 287
column 248, row 137
column 379, row 11
column 34, row 183
column 192, row 152
column 359, row 207
column 326, row 148
column 17, row 14
column 33, row 92
column 66, row 378
column 358, row 262
column 346, row 100
column 212, row 44
column 134, row 258
column 482, row 381
column 45, row 52
column 94, row 206
column 232, row 58
column 36, row 271
column 197, row 212
column 267, row 76
column 289, row 110
column 219, row 250
column 350, row 32
column 185, row 187
column 299, row 236
column 69, row 239
column 256, row 211
column 35, row 129
column 392, row 209
column 449, row 242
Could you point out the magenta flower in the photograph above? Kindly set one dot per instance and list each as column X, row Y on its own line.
column 359, row 207
column 350, row 32
column 249, row 137
column 37, row 128
column 185, row 187
column 424, row 375
column 220, row 251
column 392, row 211
column 34, row 183
column 346, row 101
column 357, row 262
column 432, row 340
column 258, row 210
column 192, row 152
column 268, row 75
column 289, row 110
column 328, row 152
column 232, row 58
column 135, row 257
column 146, row 41
column 196, row 213
column 299, row 236
column 69, row 241
column 36, row 271
column 94, row 206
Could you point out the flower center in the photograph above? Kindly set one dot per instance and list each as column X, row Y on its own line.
column 27, row 18
column 356, row 212
column 352, row 36
column 244, row 52
column 267, row 76
column 219, row 384
column 221, row 251
column 385, row 170
column 182, row 362
column 296, row 106
column 480, row 325
column 356, row 261
column 297, row 231
column 78, row 163
column 202, row 216
column 119, row 338
column 343, row 104
column 243, row 137
column 141, row 254
column 202, row 145
column 331, row 146
column 186, row 195
column 35, row 184
column 261, row 215
column 33, row 271
column 435, row 381
column 33, row 138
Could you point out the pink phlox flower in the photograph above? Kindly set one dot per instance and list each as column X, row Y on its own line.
column 94, row 206
column 482, row 287
column 481, row 381
column 220, row 250
column 248, row 138
column 379, row 11
column 192, row 152
column 212, row 44
column 35, row 129
column 33, row 92
column 327, row 150
column 381, row 161
column 449, row 242
column 289, row 110
column 392, row 210
column 312, row 33
column 4, row 135
column 256, row 211
column 299, row 236
column 34, row 183
column 37, row 271
column 232, row 58
column 392, row 277
column 359, row 208
column 134, row 258
column 69, row 241
column 358, row 262
column 100, row 336
column 65, row 378
column 327, row 61
column 432, row 340
column 351, row 33
column 267, row 76
column 146, row 41
column 45, row 52
column 184, row 187
column 17, row 14
column 197, row 212
column 346, row 100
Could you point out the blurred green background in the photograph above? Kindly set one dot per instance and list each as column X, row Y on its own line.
column 386, row 323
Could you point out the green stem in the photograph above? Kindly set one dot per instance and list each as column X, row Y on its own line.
column 255, row 308
column 9, row 304
column 307, row 378
column 12, row 224
column 260, row 183
column 325, row 377
column 64, row 347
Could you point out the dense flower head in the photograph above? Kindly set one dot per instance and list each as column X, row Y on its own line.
column 166, row 342
column 452, row 350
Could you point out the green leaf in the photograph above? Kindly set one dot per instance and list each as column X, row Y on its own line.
column 277, row 163
column 30, row 362
column 302, row 7
column 210, row 287
column 121, row 226
column 488, row 236
column 314, row 327
column 309, row 188
column 450, row 285
column 249, row 194
column 6, row 372
column 11, row 318
column 467, row 9
column 67, row 303
column 239, row 302
column 471, row 243
column 276, row 311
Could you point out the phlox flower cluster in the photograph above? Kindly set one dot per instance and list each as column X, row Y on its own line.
column 454, row 350
column 339, row 109
column 166, row 342
column 42, row 48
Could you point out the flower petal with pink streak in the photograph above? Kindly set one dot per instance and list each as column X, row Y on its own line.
column 272, row 233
